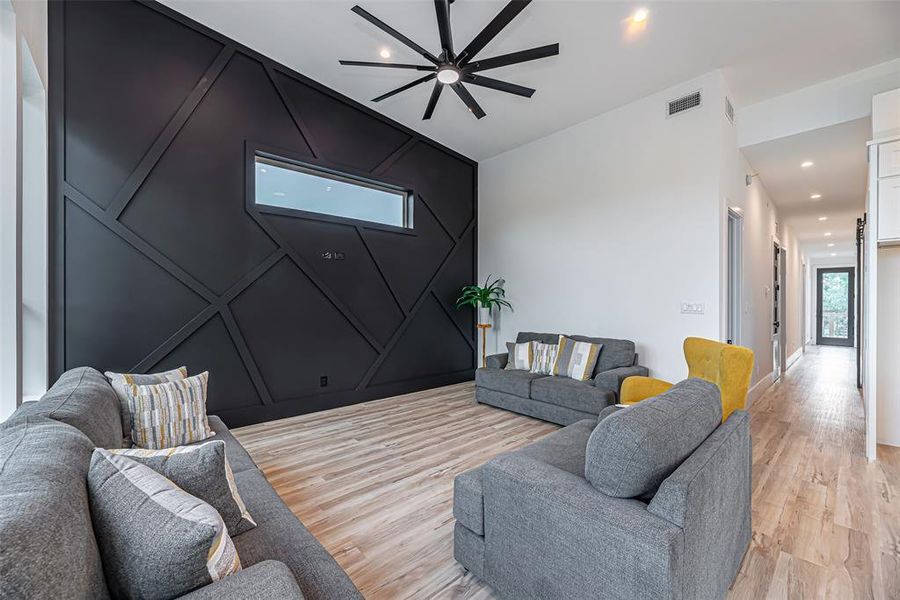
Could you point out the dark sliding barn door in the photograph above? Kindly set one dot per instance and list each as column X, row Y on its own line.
column 157, row 260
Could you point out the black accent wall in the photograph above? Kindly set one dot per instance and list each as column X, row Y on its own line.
column 158, row 259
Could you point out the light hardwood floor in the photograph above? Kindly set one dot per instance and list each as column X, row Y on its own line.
column 374, row 482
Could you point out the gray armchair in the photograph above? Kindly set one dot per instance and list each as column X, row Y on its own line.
column 533, row 523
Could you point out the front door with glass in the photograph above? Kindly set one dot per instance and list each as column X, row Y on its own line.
column 835, row 317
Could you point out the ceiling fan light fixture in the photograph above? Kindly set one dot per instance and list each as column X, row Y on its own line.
column 448, row 74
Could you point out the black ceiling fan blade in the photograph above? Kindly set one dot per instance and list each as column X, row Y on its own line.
column 363, row 63
column 403, row 88
column 442, row 8
column 393, row 33
column 467, row 99
column 432, row 102
column 513, row 58
column 496, row 84
column 496, row 25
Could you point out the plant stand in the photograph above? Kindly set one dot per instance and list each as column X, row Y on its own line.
column 483, row 327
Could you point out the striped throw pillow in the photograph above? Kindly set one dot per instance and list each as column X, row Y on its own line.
column 520, row 356
column 544, row 358
column 576, row 359
column 169, row 414
column 121, row 382
column 156, row 541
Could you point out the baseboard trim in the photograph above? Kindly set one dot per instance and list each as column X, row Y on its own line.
column 759, row 389
column 794, row 358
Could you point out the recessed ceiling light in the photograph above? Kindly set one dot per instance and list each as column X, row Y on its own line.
column 806, row 164
column 815, row 196
column 282, row 194
column 827, row 234
column 640, row 15
column 834, row 253
column 263, row 171
column 823, row 218
column 831, row 244
column 385, row 53
column 328, row 189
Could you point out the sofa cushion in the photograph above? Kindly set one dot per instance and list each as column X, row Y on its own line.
column 615, row 353
column 563, row 449
column 157, row 541
column 468, row 500
column 517, row 383
column 238, row 458
column 633, row 450
column 84, row 399
column 47, row 544
column 280, row 536
column 530, row 336
column 571, row 393
column 268, row 580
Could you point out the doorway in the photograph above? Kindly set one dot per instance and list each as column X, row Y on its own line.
column 778, row 273
column 735, row 275
column 835, row 318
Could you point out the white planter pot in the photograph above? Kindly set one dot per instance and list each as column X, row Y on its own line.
column 484, row 316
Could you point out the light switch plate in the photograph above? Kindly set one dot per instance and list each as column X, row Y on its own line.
column 691, row 308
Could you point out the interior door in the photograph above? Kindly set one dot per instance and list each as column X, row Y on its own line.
column 835, row 317
column 776, row 314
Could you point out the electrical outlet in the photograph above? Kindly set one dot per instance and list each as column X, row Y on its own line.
column 691, row 308
column 323, row 381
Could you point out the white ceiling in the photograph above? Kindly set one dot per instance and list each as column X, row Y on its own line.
column 765, row 48
column 838, row 174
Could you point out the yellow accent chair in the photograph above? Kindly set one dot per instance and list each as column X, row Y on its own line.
column 725, row 365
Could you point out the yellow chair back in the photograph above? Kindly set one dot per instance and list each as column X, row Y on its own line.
column 725, row 365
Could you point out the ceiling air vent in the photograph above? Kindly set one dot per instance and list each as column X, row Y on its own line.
column 729, row 110
column 683, row 104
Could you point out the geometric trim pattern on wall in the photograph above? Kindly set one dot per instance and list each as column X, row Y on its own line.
column 225, row 301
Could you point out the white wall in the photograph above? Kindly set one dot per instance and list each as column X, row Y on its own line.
column 838, row 100
column 760, row 229
column 888, row 350
column 606, row 227
column 23, row 192
column 794, row 296
column 33, row 190
column 9, row 344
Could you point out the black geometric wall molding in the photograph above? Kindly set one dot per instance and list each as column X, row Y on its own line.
column 159, row 257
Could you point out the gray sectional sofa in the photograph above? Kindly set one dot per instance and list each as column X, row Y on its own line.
column 652, row 501
column 559, row 400
column 48, row 546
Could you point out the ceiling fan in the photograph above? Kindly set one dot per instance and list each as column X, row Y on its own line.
column 455, row 69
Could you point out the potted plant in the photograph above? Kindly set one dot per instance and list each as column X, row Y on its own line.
column 484, row 298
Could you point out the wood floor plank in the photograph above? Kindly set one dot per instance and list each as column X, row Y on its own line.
column 374, row 483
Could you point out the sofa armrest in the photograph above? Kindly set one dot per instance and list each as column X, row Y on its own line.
column 497, row 361
column 612, row 379
column 708, row 496
column 266, row 580
column 549, row 532
column 637, row 388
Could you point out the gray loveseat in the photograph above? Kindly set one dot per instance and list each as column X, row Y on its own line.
column 670, row 520
column 559, row 400
column 48, row 548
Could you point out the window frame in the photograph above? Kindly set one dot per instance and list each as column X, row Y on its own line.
column 286, row 159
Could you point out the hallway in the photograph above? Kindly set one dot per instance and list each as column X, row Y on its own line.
column 825, row 522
